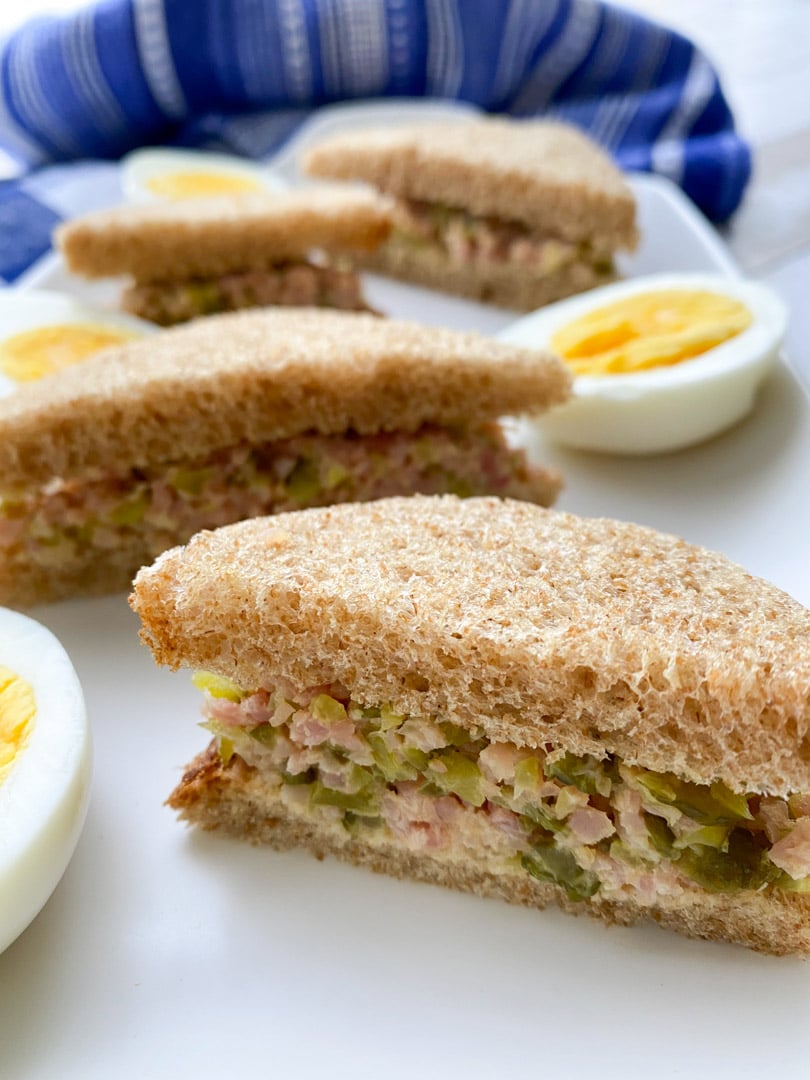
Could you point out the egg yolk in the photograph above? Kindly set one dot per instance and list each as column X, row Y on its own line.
column 194, row 185
column 655, row 329
column 33, row 353
column 17, row 712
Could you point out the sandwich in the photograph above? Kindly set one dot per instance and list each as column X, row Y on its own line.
column 110, row 462
column 514, row 212
column 504, row 699
column 203, row 256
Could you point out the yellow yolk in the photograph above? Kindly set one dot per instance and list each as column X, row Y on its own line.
column 33, row 353
column 17, row 712
column 194, row 185
column 649, row 330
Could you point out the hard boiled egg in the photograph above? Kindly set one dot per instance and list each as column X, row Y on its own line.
column 43, row 332
column 44, row 768
column 155, row 174
column 659, row 362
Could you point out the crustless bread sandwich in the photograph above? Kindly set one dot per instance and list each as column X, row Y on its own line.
column 114, row 460
column 515, row 212
column 202, row 256
column 503, row 699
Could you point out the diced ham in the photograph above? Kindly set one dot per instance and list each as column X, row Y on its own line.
column 497, row 762
column 792, row 852
column 228, row 713
column 589, row 826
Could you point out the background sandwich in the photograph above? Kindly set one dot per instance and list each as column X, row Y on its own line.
column 518, row 213
column 108, row 463
column 503, row 699
column 202, row 256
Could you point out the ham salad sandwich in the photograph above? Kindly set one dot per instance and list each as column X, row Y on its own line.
column 202, row 256
column 515, row 212
column 108, row 463
column 504, row 699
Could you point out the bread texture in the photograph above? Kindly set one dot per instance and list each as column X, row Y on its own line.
column 167, row 241
column 594, row 636
column 259, row 376
column 231, row 798
column 503, row 284
column 547, row 175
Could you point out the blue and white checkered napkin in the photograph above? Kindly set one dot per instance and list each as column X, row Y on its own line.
column 243, row 74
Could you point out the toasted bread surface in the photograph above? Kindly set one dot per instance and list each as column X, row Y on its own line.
column 257, row 376
column 546, row 175
column 167, row 241
column 594, row 636
column 232, row 798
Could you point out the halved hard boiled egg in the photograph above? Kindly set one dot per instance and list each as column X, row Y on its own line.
column 660, row 362
column 44, row 768
column 43, row 332
column 151, row 175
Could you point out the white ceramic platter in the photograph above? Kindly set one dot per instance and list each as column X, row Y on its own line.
column 165, row 953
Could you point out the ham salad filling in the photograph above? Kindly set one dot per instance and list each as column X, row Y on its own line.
column 487, row 241
column 589, row 826
column 160, row 508
column 293, row 284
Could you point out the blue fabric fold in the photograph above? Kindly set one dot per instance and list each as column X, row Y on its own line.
column 242, row 74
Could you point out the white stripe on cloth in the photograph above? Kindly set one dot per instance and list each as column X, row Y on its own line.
column 562, row 58
column 16, row 138
column 445, row 57
column 616, row 114
column 84, row 68
column 295, row 50
column 668, row 151
column 34, row 105
column 518, row 41
column 154, row 53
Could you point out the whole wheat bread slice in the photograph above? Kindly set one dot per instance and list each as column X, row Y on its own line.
column 543, row 629
column 258, row 376
column 207, row 238
column 547, row 175
column 594, row 635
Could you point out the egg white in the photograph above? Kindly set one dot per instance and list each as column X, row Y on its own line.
column 43, row 799
column 141, row 166
column 666, row 408
column 29, row 309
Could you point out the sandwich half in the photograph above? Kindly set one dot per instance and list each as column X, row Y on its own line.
column 514, row 212
column 503, row 699
column 203, row 256
column 107, row 464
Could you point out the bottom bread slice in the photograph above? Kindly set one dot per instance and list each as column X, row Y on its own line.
column 233, row 797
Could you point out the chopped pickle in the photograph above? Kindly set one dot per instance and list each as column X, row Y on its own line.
column 789, row 884
column 661, row 836
column 304, row 482
column 389, row 719
column 528, row 777
column 131, row 510
column 392, row 770
column 538, row 814
column 744, row 866
column 461, row 777
column 586, row 773
column 354, row 822
column 189, row 481
column 546, row 862
column 365, row 803
column 217, row 686
column 335, row 474
column 715, row 805
column 225, row 748
column 265, row 734
column 327, row 709
column 715, row 836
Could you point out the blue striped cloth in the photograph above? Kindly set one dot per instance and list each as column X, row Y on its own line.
column 242, row 74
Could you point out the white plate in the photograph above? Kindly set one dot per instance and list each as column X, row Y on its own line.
column 166, row 953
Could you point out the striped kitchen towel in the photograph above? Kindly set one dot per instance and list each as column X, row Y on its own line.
column 241, row 75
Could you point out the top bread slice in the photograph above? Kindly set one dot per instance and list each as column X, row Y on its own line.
column 170, row 241
column 546, row 175
column 591, row 635
column 256, row 376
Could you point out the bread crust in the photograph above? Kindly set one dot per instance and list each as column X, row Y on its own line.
column 546, row 175
column 167, row 241
column 232, row 799
column 258, row 376
column 592, row 635
column 501, row 284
